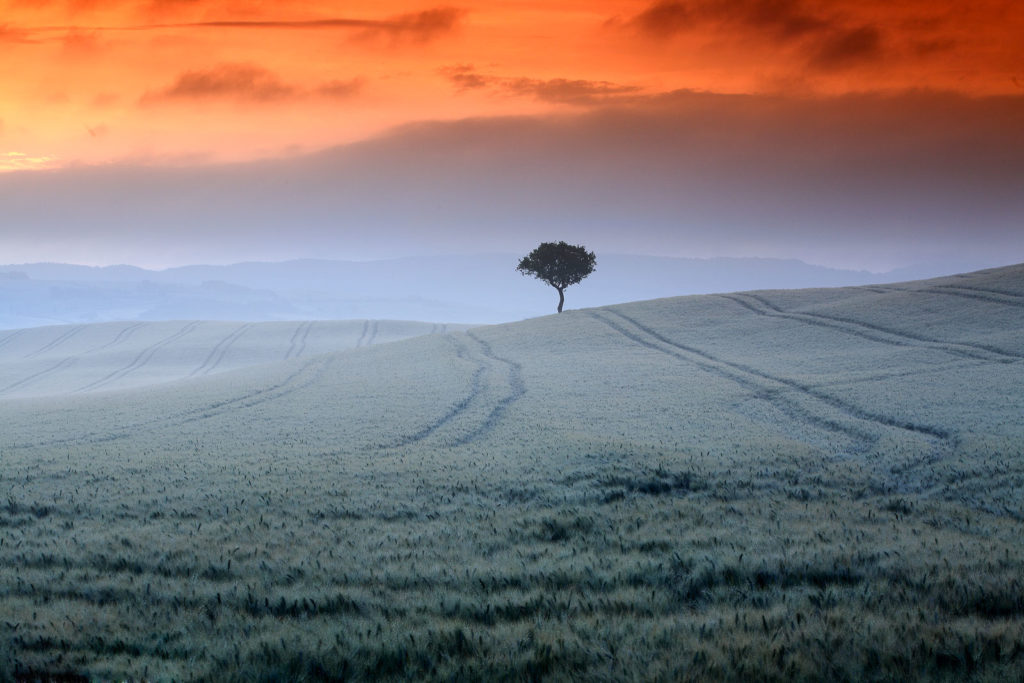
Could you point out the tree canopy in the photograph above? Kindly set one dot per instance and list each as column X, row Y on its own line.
column 558, row 264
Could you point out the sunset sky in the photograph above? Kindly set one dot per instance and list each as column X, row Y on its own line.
column 784, row 127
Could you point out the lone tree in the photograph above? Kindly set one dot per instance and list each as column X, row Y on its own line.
column 559, row 265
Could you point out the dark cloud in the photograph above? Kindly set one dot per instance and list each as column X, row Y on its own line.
column 420, row 27
column 554, row 90
column 863, row 181
column 784, row 19
column 417, row 26
column 821, row 33
column 245, row 82
column 465, row 77
column 234, row 81
column 665, row 19
column 341, row 89
column 564, row 91
column 839, row 49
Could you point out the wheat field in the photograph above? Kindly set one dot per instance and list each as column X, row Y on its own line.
column 63, row 359
column 773, row 485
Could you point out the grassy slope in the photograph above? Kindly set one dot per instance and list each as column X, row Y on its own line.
column 49, row 361
column 787, row 484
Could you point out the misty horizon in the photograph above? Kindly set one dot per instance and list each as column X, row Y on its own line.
column 474, row 289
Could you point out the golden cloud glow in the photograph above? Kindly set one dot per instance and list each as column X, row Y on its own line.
column 18, row 161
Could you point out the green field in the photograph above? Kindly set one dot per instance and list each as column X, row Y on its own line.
column 775, row 485
column 47, row 361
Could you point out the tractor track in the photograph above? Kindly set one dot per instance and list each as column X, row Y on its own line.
column 68, row 361
column 362, row 335
column 56, row 342
column 486, row 361
column 123, row 335
column 219, row 351
column 298, row 341
column 876, row 333
column 292, row 383
column 516, row 389
column 6, row 340
column 757, row 388
column 65, row 363
column 140, row 360
column 979, row 293
column 476, row 388
column 751, row 377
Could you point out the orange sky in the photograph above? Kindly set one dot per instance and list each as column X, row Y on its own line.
column 194, row 81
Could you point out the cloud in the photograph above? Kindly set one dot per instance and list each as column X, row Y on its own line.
column 19, row 161
column 664, row 20
column 825, row 37
column 341, row 89
column 842, row 48
column 235, row 81
column 565, row 91
column 245, row 82
column 784, row 19
column 854, row 179
column 465, row 77
column 419, row 27
column 554, row 90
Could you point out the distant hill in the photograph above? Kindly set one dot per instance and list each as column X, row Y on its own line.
column 469, row 289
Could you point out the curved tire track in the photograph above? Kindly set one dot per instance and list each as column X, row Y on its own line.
column 122, row 336
column 7, row 340
column 516, row 389
column 57, row 342
column 990, row 295
column 68, row 361
column 489, row 361
column 758, row 389
column 273, row 392
column 755, row 376
column 218, row 352
column 65, row 363
column 300, row 329
column 141, row 359
column 872, row 332
column 476, row 386
column 301, row 347
column 362, row 335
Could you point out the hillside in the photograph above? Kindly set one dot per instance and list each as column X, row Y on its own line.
column 63, row 359
column 785, row 484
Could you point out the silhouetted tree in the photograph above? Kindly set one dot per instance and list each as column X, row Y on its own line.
column 559, row 265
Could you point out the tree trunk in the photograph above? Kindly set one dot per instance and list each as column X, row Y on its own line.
column 561, row 298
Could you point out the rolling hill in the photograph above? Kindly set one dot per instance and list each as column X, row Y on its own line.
column 62, row 359
column 778, row 484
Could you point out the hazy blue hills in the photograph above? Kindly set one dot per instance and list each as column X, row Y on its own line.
column 455, row 288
